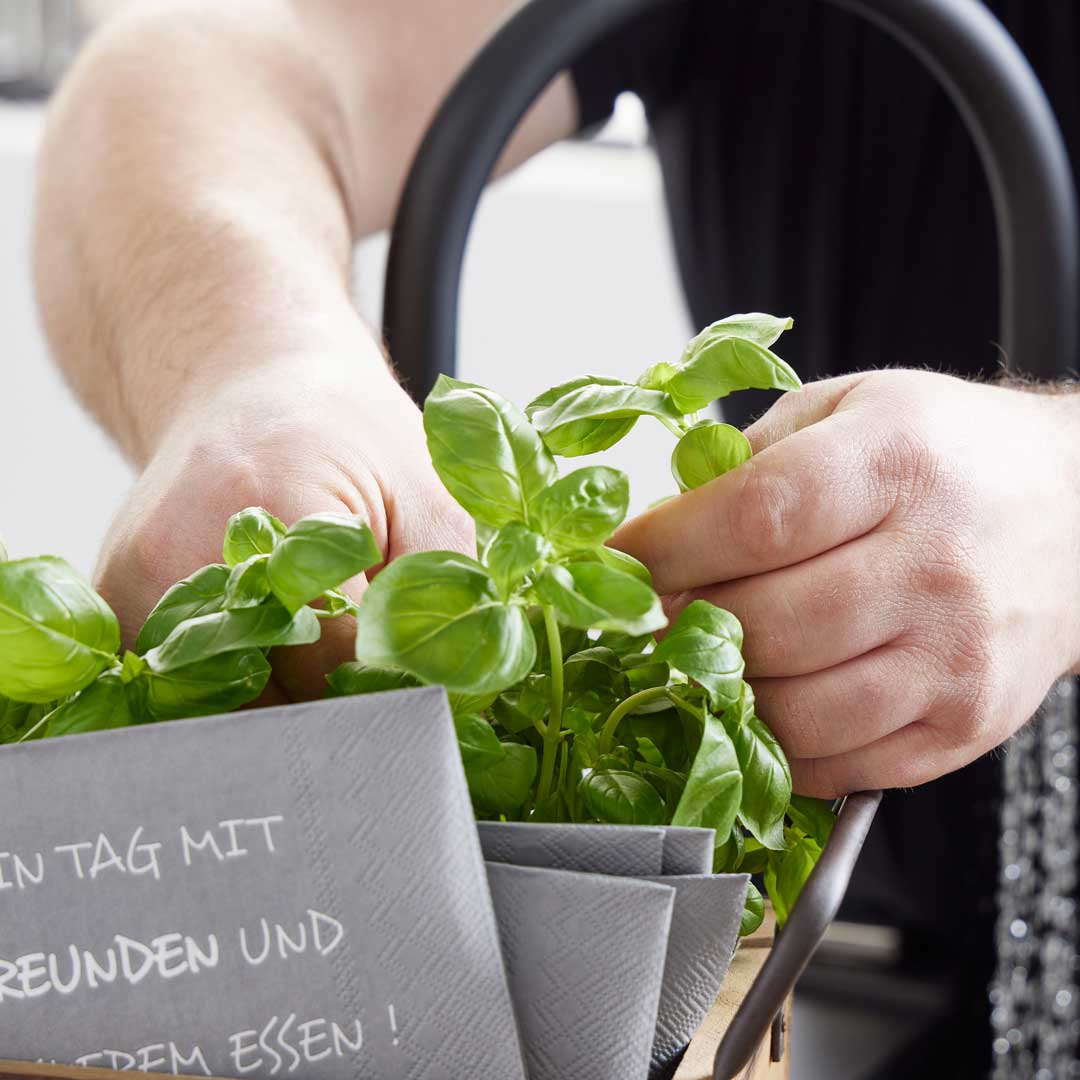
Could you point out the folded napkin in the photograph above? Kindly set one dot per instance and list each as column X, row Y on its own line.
column 688, row 850
column 338, row 836
column 698, row 949
column 585, row 954
column 622, row 850
column 704, row 932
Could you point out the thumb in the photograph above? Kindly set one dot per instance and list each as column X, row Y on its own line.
column 798, row 410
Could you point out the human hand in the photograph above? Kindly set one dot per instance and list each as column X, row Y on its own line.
column 310, row 434
column 904, row 554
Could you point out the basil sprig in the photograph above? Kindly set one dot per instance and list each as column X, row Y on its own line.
column 202, row 650
column 589, row 718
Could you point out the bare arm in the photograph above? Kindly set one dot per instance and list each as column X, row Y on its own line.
column 206, row 171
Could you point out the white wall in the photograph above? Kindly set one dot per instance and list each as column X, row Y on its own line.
column 569, row 270
column 60, row 478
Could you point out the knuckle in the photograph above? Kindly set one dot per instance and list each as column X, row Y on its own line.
column 819, row 778
column 904, row 464
column 977, row 697
column 971, row 699
column 944, row 573
column 795, row 720
column 762, row 514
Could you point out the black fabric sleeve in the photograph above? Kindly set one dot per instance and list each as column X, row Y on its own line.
column 643, row 56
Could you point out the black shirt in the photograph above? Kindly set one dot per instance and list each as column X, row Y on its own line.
column 814, row 168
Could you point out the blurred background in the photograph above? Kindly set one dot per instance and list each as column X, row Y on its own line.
column 583, row 212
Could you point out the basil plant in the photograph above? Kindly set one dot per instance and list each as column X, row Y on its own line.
column 202, row 650
column 566, row 706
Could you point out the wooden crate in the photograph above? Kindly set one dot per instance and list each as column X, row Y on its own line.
column 698, row 1062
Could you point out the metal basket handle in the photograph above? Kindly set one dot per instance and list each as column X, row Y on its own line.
column 810, row 917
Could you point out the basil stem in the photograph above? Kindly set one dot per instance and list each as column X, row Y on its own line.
column 554, row 723
column 642, row 697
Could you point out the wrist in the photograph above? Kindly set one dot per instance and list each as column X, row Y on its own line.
column 283, row 370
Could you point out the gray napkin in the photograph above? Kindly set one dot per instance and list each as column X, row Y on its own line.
column 585, row 955
column 364, row 799
column 688, row 850
column 622, row 850
column 704, row 931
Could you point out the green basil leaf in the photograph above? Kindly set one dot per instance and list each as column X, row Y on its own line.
column 754, row 859
column 594, row 667
column 352, row 677
column 616, row 560
column 248, row 584
column 518, row 710
column 200, row 594
column 581, row 664
column 728, row 856
column 594, row 596
column 663, row 730
column 229, row 631
column 594, row 680
column 705, row 644
column 753, row 911
column 504, row 787
column 619, row 797
column 57, row 633
column 319, row 553
column 97, row 707
column 649, row 751
column 508, row 712
column 647, row 674
column 336, row 603
column 439, row 615
column 706, row 451
column 253, row 531
column 766, row 779
column 132, row 666
column 479, row 745
column 814, row 817
column 623, row 644
column 583, row 508
column 619, row 560
column 19, row 717
column 486, row 453
column 658, row 376
column 513, row 552
column 724, row 365
column 713, row 791
column 217, row 684
column 754, row 326
column 578, row 721
column 669, row 783
column 592, row 413
column 786, row 874
column 485, row 535
column 471, row 703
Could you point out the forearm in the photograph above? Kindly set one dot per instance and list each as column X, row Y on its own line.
column 208, row 229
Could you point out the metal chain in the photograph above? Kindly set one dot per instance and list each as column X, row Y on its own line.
column 1035, row 997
